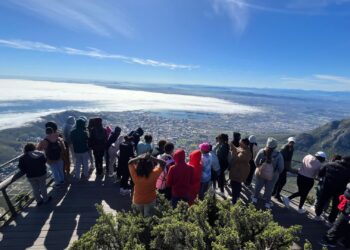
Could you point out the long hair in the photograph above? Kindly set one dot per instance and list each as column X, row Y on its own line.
column 144, row 167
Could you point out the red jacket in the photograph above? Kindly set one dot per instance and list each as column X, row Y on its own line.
column 195, row 163
column 180, row 176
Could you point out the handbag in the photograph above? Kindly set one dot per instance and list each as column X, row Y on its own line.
column 265, row 171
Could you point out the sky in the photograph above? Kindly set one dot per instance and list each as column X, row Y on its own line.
column 295, row 44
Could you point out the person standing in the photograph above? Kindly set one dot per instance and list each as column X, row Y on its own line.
column 195, row 163
column 67, row 128
column 180, row 178
column 287, row 153
column 167, row 156
column 159, row 150
column 80, row 139
column 207, row 164
column 253, row 148
column 112, row 139
column 305, row 180
column 33, row 164
column 240, row 169
column 269, row 164
column 222, row 152
column 126, row 153
column 144, row 174
column 335, row 177
column 98, row 142
column 54, row 148
column 146, row 146
column 341, row 227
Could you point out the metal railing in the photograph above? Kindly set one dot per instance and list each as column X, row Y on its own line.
column 15, row 191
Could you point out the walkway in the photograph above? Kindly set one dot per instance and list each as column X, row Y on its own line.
column 72, row 212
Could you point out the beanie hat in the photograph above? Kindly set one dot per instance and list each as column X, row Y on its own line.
column 205, row 147
column 291, row 139
column 252, row 139
column 271, row 143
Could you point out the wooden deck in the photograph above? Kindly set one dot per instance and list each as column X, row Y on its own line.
column 72, row 212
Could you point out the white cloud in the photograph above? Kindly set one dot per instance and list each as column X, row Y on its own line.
column 239, row 11
column 317, row 82
column 236, row 10
column 333, row 78
column 100, row 17
column 94, row 98
column 90, row 52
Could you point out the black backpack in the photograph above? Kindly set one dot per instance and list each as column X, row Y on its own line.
column 53, row 150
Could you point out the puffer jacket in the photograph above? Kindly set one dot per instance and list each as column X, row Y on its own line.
column 239, row 171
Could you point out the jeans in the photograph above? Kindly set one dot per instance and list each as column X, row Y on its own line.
column 251, row 173
column 305, row 184
column 81, row 159
column 221, row 180
column 236, row 191
column 98, row 154
column 340, row 229
column 325, row 196
column 282, row 180
column 145, row 209
column 260, row 183
column 39, row 188
column 203, row 189
column 57, row 171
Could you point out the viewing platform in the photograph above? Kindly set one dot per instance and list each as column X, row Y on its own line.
column 72, row 212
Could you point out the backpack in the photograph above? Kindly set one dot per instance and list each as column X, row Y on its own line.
column 53, row 150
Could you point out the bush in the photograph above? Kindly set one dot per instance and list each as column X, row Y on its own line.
column 209, row 224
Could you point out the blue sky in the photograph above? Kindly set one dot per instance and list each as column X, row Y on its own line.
column 279, row 44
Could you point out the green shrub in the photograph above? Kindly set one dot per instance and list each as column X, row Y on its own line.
column 209, row 224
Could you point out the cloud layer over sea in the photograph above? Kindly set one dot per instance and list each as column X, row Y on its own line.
column 23, row 101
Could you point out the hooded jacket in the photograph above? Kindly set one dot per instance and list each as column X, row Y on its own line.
column 239, row 171
column 336, row 176
column 180, row 176
column 67, row 128
column 277, row 161
column 33, row 164
column 195, row 164
column 287, row 157
column 80, row 137
column 98, row 136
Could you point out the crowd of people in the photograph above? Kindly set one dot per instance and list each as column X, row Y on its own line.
column 144, row 170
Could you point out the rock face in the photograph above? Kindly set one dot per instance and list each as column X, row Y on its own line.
column 333, row 138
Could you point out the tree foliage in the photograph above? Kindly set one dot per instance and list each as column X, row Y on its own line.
column 208, row 224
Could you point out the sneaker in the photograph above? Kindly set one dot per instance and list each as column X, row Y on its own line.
column 268, row 205
column 301, row 210
column 279, row 199
column 325, row 243
column 286, row 201
column 317, row 218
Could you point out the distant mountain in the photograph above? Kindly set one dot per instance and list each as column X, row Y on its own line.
column 333, row 138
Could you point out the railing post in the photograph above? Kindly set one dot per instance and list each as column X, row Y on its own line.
column 9, row 203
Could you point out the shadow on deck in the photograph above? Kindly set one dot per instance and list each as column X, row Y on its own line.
column 72, row 212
